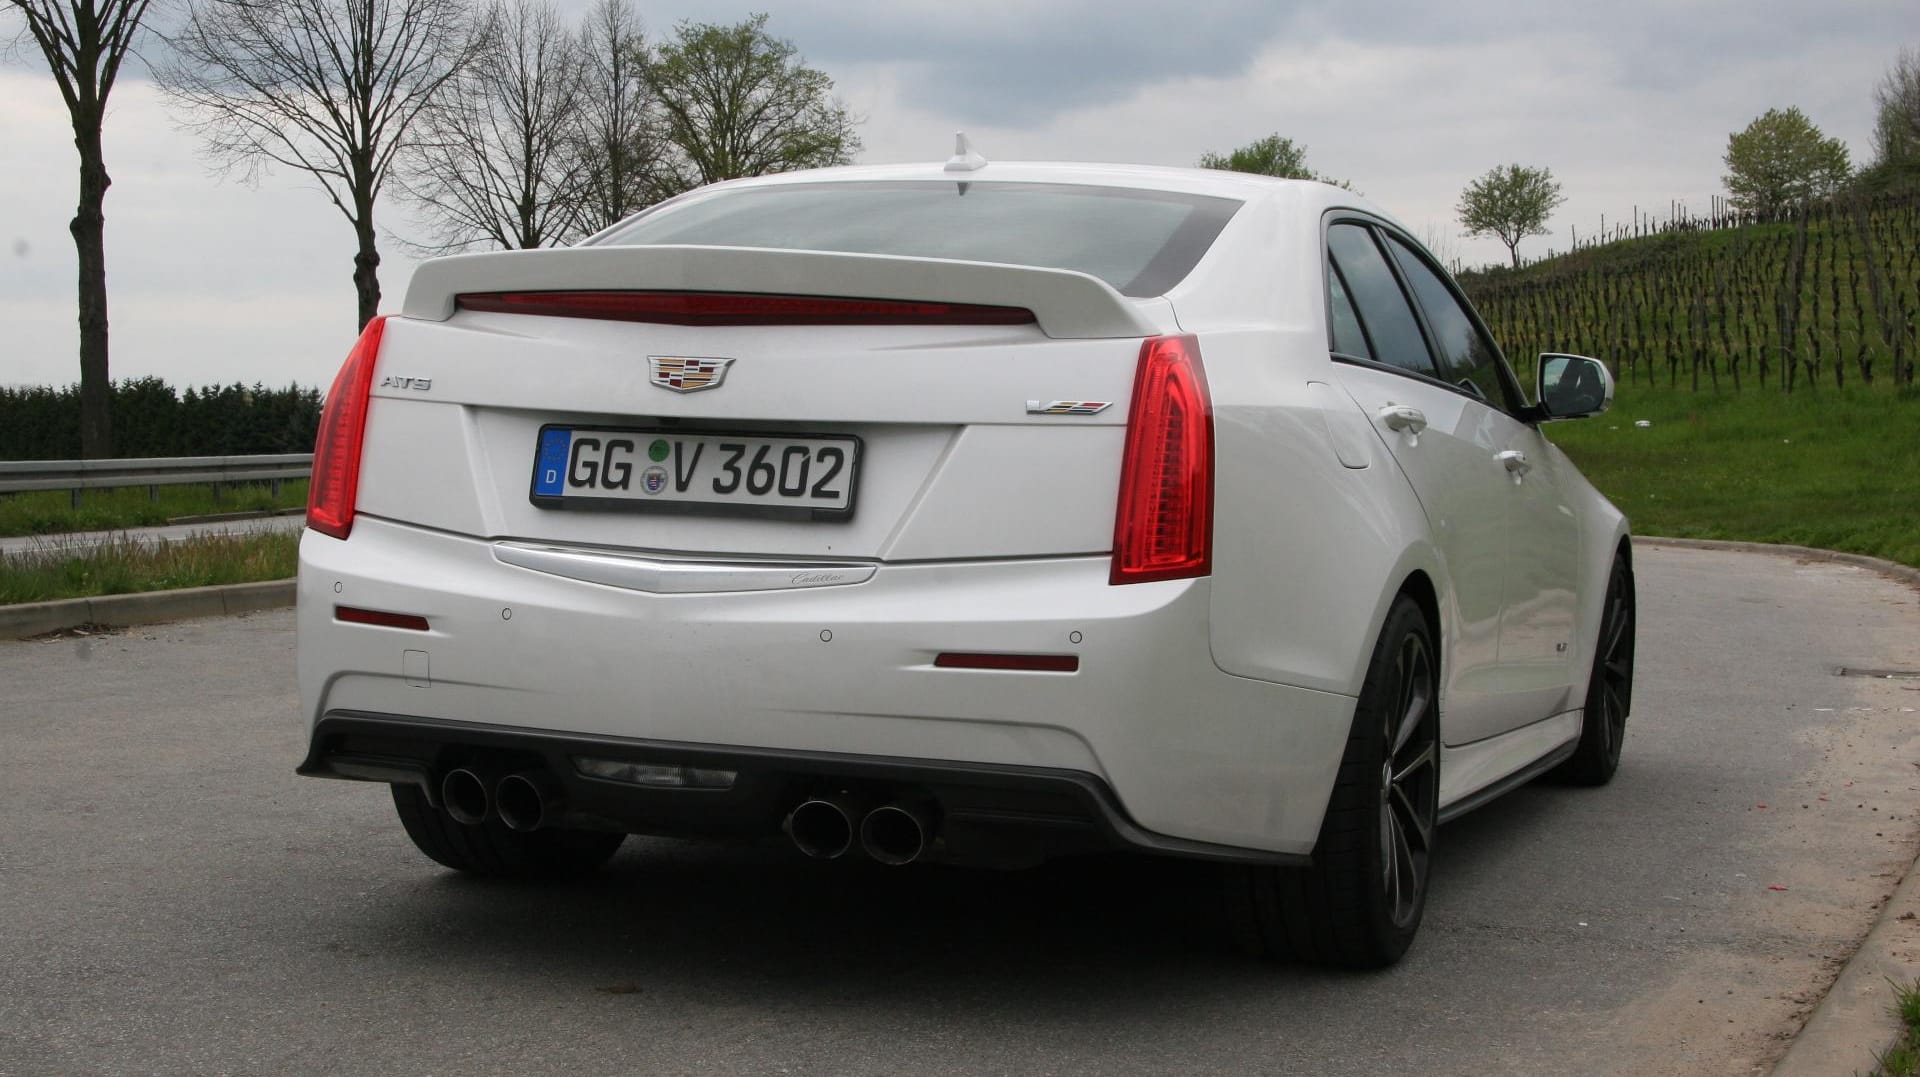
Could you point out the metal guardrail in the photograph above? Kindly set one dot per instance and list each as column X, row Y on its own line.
column 20, row 476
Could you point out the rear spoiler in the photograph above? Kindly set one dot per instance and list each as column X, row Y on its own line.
column 1066, row 303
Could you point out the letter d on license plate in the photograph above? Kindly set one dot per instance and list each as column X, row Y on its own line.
column 714, row 474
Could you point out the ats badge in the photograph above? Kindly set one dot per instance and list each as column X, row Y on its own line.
column 687, row 375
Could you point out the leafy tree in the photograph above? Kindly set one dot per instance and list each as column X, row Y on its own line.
column 492, row 160
column 331, row 88
column 1511, row 202
column 84, row 43
column 1780, row 160
column 1274, row 155
column 738, row 101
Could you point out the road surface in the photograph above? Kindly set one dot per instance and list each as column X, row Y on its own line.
column 173, row 900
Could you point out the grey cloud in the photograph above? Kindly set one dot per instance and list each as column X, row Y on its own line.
column 1018, row 64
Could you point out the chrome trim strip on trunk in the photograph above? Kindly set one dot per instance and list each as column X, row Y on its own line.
column 670, row 576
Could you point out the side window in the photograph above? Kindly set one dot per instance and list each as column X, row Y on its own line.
column 1466, row 356
column 1348, row 337
column 1377, row 298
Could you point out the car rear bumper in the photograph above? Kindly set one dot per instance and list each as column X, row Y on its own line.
column 1180, row 751
column 987, row 815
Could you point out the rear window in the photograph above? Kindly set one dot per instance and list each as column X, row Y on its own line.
column 1141, row 242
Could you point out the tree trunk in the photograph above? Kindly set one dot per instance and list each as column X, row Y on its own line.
column 1514, row 250
column 89, row 239
column 366, row 265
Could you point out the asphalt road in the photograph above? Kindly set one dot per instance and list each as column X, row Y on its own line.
column 173, row 900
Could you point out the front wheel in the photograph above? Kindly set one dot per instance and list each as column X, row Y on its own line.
column 1360, row 903
column 1609, row 688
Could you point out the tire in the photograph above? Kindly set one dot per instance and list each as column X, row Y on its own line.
column 1360, row 903
column 489, row 848
column 1609, row 686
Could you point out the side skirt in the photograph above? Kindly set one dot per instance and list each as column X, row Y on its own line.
column 1489, row 768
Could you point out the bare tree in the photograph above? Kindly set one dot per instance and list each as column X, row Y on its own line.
column 620, row 133
column 493, row 160
column 326, row 87
column 1439, row 241
column 1896, row 129
column 84, row 43
column 739, row 102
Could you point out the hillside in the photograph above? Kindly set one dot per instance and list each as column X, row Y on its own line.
column 1828, row 298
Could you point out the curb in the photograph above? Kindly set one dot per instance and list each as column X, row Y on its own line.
column 147, row 607
column 1855, row 1020
column 230, row 517
column 1894, row 569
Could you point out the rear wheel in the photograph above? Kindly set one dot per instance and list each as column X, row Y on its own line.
column 1609, row 688
column 1360, row 903
column 490, row 848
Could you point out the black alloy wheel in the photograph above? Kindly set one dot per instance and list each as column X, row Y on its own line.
column 1609, row 686
column 1360, row 903
column 1409, row 782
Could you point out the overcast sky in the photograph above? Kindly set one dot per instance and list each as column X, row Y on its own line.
column 1630, row 103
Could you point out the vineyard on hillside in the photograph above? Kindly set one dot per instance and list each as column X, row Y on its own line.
column 1830, row 296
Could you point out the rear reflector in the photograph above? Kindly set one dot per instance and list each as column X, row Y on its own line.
column 343, row 426
column 735, row 308
column 1043, row 663
column 355, row 615
column 1163, row 529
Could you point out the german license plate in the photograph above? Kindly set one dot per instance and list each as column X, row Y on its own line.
column 746, row 474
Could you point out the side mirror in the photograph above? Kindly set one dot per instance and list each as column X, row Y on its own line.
column 1572, row 386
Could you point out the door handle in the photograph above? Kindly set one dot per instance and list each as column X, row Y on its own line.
column 1515, row 461
column 1404, row 417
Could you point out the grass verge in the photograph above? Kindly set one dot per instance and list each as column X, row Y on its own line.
column 127, row 567
column 48, row 512
column 1832, row 469
column 1903, row 1058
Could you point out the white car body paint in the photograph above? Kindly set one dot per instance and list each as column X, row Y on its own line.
column 1214, row 708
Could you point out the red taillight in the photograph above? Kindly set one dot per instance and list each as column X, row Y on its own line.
column 1164, row 527
column 343, row 423
column 733, row 308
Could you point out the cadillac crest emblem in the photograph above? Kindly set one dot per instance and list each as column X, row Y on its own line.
column 687, row 375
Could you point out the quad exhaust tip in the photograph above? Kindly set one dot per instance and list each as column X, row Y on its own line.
column 464, row 792
column 822, row 827
column 528, row 800
column 825, row 828
column 895, row 833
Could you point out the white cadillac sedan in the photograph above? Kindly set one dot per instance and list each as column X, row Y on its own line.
column 971, row 513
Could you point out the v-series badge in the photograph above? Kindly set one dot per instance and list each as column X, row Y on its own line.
column 420, row 385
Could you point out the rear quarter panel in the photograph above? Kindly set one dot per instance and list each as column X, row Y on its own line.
column 1308, row 551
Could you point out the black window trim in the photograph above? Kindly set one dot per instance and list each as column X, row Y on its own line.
column 1419, row 324
column 1334, row 270
column 1516, row 406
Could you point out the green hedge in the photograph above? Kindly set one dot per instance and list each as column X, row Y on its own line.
column 151, row 418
